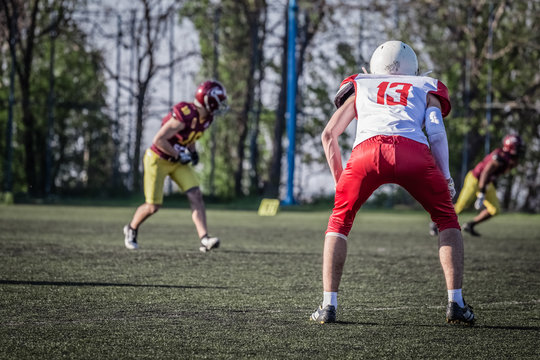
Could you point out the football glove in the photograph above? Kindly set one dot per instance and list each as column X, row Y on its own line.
column 194, row 157
column 479, row 203
column 451, row 187
column 184, row 157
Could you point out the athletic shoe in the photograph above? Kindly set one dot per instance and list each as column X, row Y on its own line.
column 469, row 228
column 131, row 238
column 209, row 243
column 326, row 315
column 459, row 315
column 433, row 229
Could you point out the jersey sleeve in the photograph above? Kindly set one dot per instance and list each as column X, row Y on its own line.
column 184, row 113
column 442, row 94
column 346, row 89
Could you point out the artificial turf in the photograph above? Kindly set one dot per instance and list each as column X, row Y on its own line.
column 69, row 288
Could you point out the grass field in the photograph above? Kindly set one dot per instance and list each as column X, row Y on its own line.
column 69, row 288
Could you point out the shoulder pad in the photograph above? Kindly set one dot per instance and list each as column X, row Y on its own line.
column 442, row 94
column 345, row 91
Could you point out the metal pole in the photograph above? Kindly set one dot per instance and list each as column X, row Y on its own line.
column 487, row 144
column 291, row 101
column 50, row 112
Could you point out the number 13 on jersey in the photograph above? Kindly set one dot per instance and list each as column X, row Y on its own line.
column 393, row 93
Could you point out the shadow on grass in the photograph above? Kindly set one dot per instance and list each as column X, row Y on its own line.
column 495, row 327
column 259, row 252
column 76, row 283
column 509, row 327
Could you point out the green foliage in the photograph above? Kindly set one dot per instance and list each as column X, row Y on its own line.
column 81, row 141
column 82, row 145
column 448, row 41
column 455, row 39
column 232, row 67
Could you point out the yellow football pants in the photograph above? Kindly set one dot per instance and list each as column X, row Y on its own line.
column 467, row 196
column 156, row 170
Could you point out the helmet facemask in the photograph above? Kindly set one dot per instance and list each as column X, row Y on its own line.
column 212, row 96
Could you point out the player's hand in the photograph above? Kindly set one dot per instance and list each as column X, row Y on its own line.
column 194, row 157
column 479, row 203
column 451, row 187
column 184, row 157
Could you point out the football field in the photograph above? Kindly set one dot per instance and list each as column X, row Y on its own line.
column 69, row 288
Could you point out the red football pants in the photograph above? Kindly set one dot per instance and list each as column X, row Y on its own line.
column 391, row 159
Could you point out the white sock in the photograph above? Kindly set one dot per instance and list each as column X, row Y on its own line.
column 329, row 298
column 456, row 296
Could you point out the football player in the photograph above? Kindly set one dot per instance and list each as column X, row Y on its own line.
column 392, row 105
column 172, row 153
column 479, row 184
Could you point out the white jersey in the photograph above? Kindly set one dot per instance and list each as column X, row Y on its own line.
column 394, row 105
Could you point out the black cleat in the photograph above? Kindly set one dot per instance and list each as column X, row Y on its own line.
column 326, row 315
column 469, row 228
column 459, row 315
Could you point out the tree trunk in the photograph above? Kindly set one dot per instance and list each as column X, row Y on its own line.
column 252, row 17
column 136, row 165
column 274, row 172
column 29, row 142
column 253, row 146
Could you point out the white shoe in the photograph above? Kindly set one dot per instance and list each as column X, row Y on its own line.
column 131, row 238
column 209, row 243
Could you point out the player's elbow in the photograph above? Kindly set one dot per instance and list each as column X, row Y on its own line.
column 327, row 136
column 156, row 140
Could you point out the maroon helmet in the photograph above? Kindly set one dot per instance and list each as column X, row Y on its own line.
column 212, row 96
column 512, row 144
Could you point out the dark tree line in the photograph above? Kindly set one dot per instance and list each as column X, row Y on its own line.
column 59, row 131
column 485, row 52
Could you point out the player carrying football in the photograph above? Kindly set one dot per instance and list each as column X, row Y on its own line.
column 392, row 105
column 172, row 151
column 479, row 184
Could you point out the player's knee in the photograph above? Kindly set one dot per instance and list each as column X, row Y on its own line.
column 494, row 210
column 339, row 226
column 152, row 208
column 447, row 221
column 194, row 195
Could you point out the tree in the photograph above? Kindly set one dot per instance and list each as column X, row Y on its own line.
column 465, row 63
column 28, row 23
column 148, row 35
column 78, row 138
column 242, row 31
column 312, row 15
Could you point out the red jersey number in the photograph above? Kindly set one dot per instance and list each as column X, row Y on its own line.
column 393, row 93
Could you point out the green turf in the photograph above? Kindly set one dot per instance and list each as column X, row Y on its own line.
column 68, row 288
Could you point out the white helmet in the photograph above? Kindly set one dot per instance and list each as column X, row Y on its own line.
column 394, row 58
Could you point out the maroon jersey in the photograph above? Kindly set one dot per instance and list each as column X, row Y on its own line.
column 187, row 114
column 498, row 155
